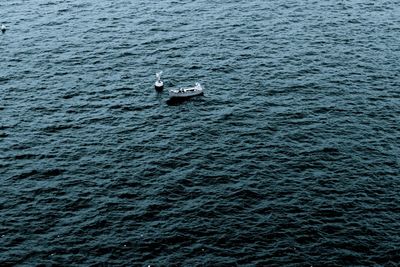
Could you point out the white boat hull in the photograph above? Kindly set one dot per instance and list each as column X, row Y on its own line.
column 187, row 92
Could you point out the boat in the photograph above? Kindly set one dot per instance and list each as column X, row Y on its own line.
column 186, row 92
column 159, row 85
column 3, row 28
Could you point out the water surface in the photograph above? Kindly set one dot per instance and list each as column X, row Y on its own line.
column 290, row 159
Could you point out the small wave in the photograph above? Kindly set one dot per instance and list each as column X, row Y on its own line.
column 44, row 174
column 58, row 128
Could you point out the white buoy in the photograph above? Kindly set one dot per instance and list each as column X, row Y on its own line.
column 3, row 28
column 159, row 85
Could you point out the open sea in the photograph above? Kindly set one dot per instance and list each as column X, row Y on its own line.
column 291, row 157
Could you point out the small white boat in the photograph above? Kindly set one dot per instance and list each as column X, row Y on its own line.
column 3, row 28
column 186, row 92
column 159, row 85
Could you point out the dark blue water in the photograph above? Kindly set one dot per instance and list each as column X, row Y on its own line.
column 291, row 157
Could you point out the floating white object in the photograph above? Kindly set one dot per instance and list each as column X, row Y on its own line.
column 159, row 85
column 186, row 92
column 3, row 28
